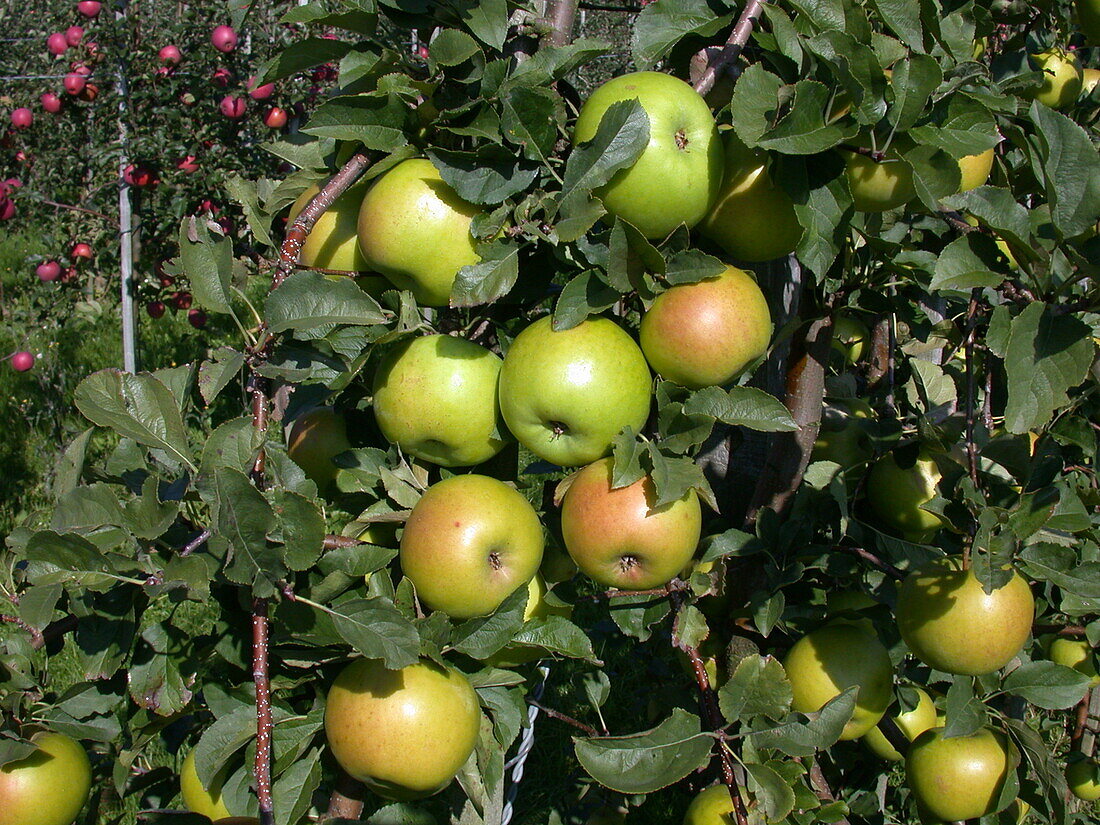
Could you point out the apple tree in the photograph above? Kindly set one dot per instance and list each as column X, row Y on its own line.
column 775, row 355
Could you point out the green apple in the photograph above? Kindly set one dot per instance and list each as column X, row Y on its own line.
column 556, row 565
column 405, row 733
column 415, row 230
column 316, row 437
column 850, row 338
column 1083, row 778
column 436, row 397
column 878, row 186
column 951, row 624
column 714, row 806
column 676, row 178
column 912, row 723
column 566, row 395
column 200, row 799
column 618, row 539
column 470, row 542
column 845, row 433
column 823, row 664
column 334, row 242
column 49, row 787
column 706, row 333
column 1062, row 78
column 1073, row 653
column 1090, row 77
column 897, row 494
column 974, row 170
column 960, row 777
column 752, row 219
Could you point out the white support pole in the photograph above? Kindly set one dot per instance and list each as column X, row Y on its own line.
column 125, row 213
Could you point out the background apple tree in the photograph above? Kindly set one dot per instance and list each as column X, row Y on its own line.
column 930, row 389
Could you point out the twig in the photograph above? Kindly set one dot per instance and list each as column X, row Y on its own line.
column 557, row 714
column 36, row 635
column 334, row 542
column 883, row 565
column 1072, row 630
column 675, row 584
column 195, row 543
column 971, row 413
column 260, row 678
column 1080, row 722
column 346, row 801
column 602, row 7
column 733, row 48
column 108, row 218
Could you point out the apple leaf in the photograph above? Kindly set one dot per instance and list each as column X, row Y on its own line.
column 555, row 634
column 741, row 407
column 689, row 628
column 531, row 117
column 758, row 687
column 802, row 739
column 626, row 451
column 964, row 711
column 914, row 81
column 1052, row 776
column 903, row 19
column 66, row 551
column 309, row 300
column 771, row 790
column 450, row 47
column 244, row 518
column 301, row 529
column 375, row 120
column 966, row 263
column 487, row 177
column 935, row 174
column 674, row 476
column 1071, row 170
column 967, row 128
column 661, row 25
column 485, row 635
column 377, row 630
column 1047, row 685
column 492, row 278
column 13, row 749
column 636, row 615
column 646, row 762
column 1059, row 566
column 215, row 374
column 292, row 791
column 857, row 68
column 584, row 295
column 154, row 677
column 620, row 139
column 207, row 261
column 690, row 266
column 301, row 55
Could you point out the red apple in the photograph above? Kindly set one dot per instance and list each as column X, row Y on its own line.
column 69, row 275
column 48, row 271
column 81, row 69
column 81, row 250
column 22, row 361
column 10, row 184
column 89, row 8
column 57, row 44
column 139, row 174
column 89, row 93
column 275, row 118
column 233, row 107
column 260, row 92
column 224, row 39
column 51, row 103
column 155, row 309
column 73, row 35
column 21, row 118
column 7, row 209
column 170, row 55
column 74, row 83
column 95, row 54
column 221, row 78
column 196, row 318
column 188, row 164
column 181, row 300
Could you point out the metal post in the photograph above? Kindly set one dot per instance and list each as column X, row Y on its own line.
column 125, row 213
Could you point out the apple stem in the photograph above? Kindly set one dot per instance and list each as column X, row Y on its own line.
column 725, row 59
column 262, row 765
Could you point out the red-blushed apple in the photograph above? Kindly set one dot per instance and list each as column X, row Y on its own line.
column 7, row 209
column 221, row 78
column 677, row 177
column 951, row 624
column 961, row 777
column 436, row 397
column 912, row 723
column 196, row 318
column 48, row 271
column 188, row 164
column 618, row 538
column 470, row 542
column 49, row 787
column 81, row 250
column 170, row 55
column 89, row 93
column 56, row 44
column 181, row 300
column 22, row 361
column 51, row 102
column 74, row 83
column 1062, row 78
column 73, row 35
column 138, row 174
column 81, row 69
column 155, row 309
column 897, row 494
column 565, row 395
column 826, row 662
column 706, row 333
column 89, row 8
column 405, row 733
column 224, row 39
column 752, row 219
column 22, row 118
column 315, row 438
column 233, row 107
column 259, row 92
column 333, row 243
column 275, row 118
column 200, row 799
column 415, row 230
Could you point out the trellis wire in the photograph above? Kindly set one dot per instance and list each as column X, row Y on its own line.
column 527, row 741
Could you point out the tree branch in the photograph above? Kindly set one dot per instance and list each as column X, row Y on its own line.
column 733, row 48
column 560, row 15
column 346, row 801
column 262, row 765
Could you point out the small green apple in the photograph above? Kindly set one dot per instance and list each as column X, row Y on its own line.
column 823, row 664
column 470, row 542
column 960, row 777
column 1090, row 77
column 436, row 397
column 850, row 338
column 566, row 395
column 677, row 176
column 1073, row 653
column 1062, row 78
column 974, row 170
column 714, row 806
column 618, row 538
column 845, row 433
column 49, row 787
column 415, row 230
column 878, row 185
column 897, row 494
column 706, row 333
column 912, row 723
column 200, row 799
column 1083, row 778
column 950, row 623
column 333, row 242
column 316, row 437
column 384, row 726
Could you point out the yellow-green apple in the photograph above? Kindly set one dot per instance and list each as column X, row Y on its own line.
column 469, row 542
column 1073, row 653
column 237, row 820
column 752, row 218
column 960, row 777
column 714, row 806
column 415, row 230
column 974, row 170
column 706, row 333
column 897, row 494
column 49, row 787
column 911, row 722
column 850, row 337
column 1083, row 778
column 878, row 185
column 950, row 623
column 556, row 565
column 405, row 733
column 845, row 433
column 677, row 176
column 200, row 799
column 1062, row 78
column 618, row 538
column 333, row 243
column 316, row 437
column 826, row 662
column 436, row 397
column 565, row 395
column 1089, row 78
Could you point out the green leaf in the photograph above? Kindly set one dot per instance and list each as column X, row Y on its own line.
column 493, row 278
column 1047, row 355
column 800, row 739
column 531, row 117
column 646, row 762
column 903, row 19
column 376, row 629
column 303, row 529
column 663, row 24
column 556, row 635
column 584, row 295
column 375, row 120
column 914, row 81
column 308, row 300
column 251, row 194
column 450, row 47
column 771, row 791
column 135, row 406
column 292, row 792
column 244, row 519
column 622, row 135
column 302, row 55
column 964, row 264
column 1059, row 566
column 691, row 266
column 626, row 452
column 758, row 687
column 485, row 635
column 674, row 477
column 488, row 20
column 1047, row 685
column 216, row 373
column 802, row 130
column 488, row 176
column 70, row 465
column 964, row 711
column 741, row 407
column 1071, row 168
